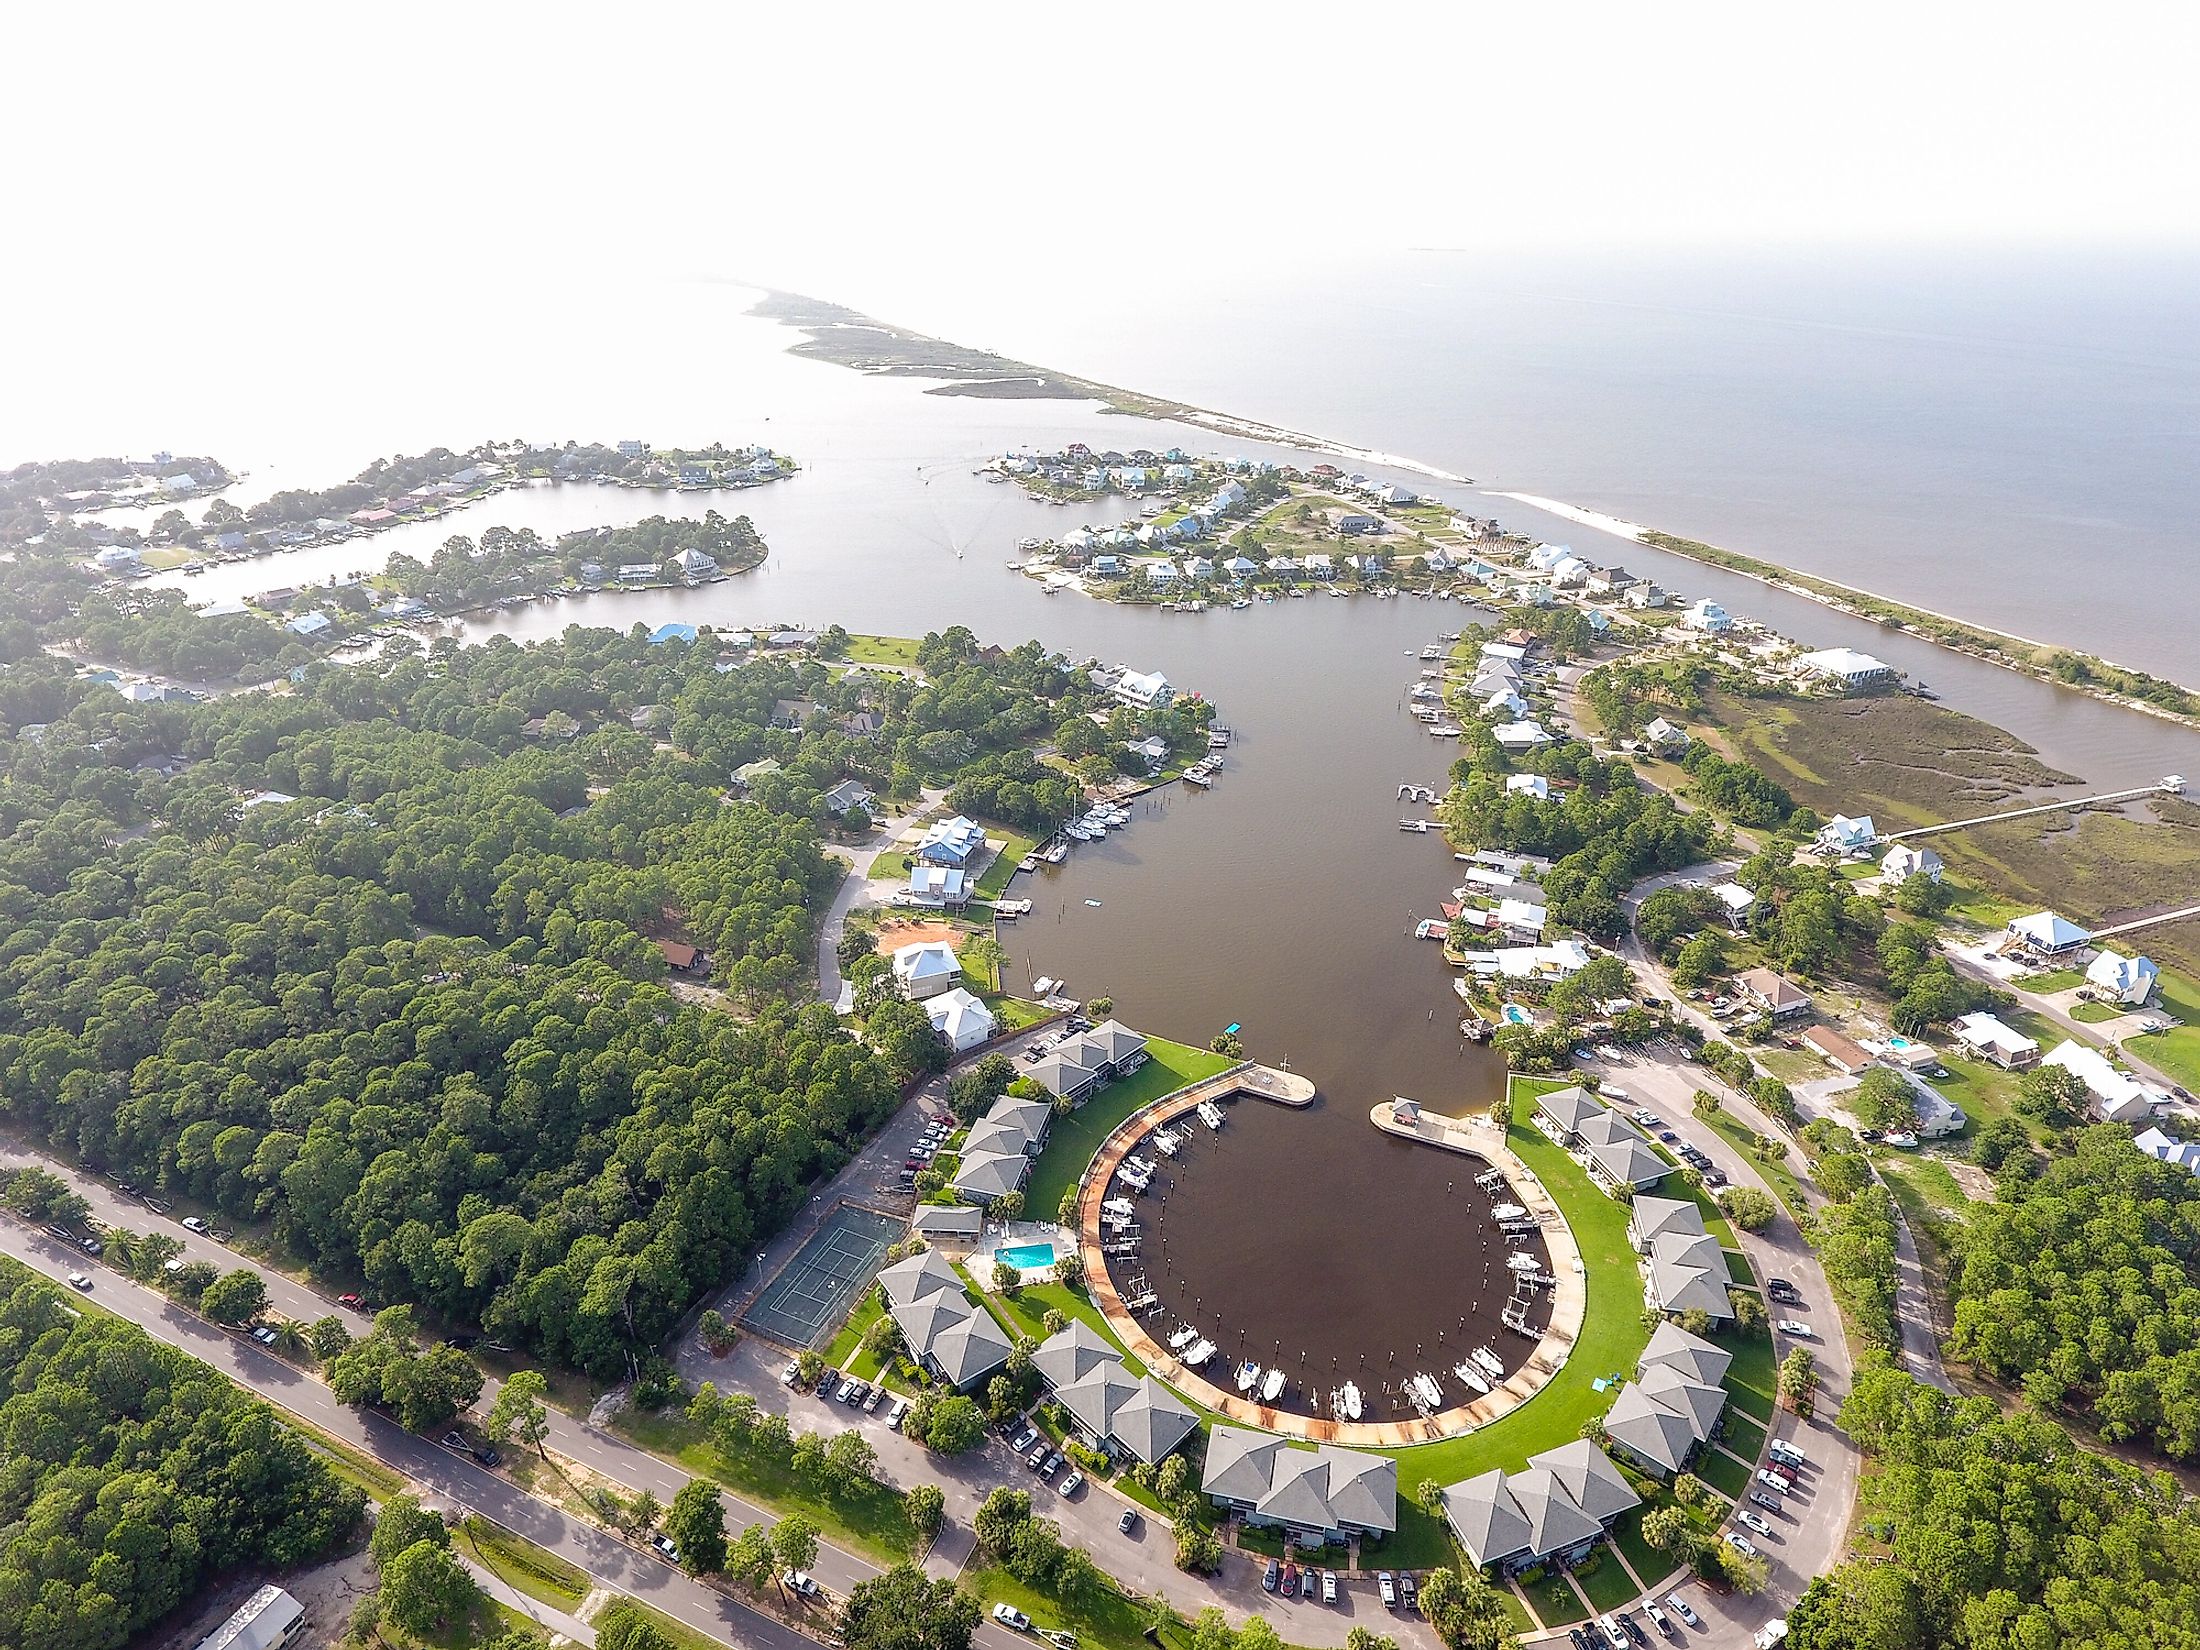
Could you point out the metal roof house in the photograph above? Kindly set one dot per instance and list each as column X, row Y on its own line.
column 2127, row 980
column 266, row 1620
column 1326, row 1491
column 2048, row 934
column 926, row 969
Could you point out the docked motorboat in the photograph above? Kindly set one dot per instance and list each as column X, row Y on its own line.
column 1271, row 1388
column 1490, row 1362
column 1119, row 1206
column 1184, row 1336
column 1210, row 1114
column 1198, row 1353
column 1521, row 1261
column 1471, row 1376
column 1247, row 1373
column 1166, row 1143
column 1507, row 1211
column 1351, row 1401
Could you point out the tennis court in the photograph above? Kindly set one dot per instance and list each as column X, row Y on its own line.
column 810, row 1297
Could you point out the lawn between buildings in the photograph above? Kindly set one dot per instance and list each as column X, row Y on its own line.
column 1075, row 1137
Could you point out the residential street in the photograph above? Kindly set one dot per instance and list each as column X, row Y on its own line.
column 855, row 888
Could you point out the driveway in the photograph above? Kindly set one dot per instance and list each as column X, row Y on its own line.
column 855, row 890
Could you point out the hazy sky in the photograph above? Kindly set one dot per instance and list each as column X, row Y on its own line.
column 807, row 144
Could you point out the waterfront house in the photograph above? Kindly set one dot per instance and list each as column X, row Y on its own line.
column 1674, row 1405
column 312, row 623
column 1285, row 565
column 1663, row 735
column 1319, row 566
column 1841, row 835
column 962, row 1021
column 1506, row 703
column 1555, row 1512
column 2118, row 1097
column 1529, row 784
column 1544, row 557
column 1198, row 567
column 955, row 841
column 2048, row 934
column 1985, row 1037
column 1611, row 581
column 1903, row 862
column 1240, row 567
column 692, row 564
column 1107, row 566
column 1389, row 492
column 1178, row 472
column 926, row 969
column 672, row 633
column 1154, row 752
column 1644, row 594
column 1079, row 1067
column 1684, row 1270
column 1144, row 690
column 1352, row 524
column 1709, row 617
column 950, row 1335
column 1228, row 496
column 637, row 572
column 1160, row 572
column 1524, row 735
column 1520, row 919
column 1316, row 1495
column 1617, row 1154
column 1134, row 1418
column 848, row 794
column 2120, row 979
column 1777, row 995
column 1839, row 1050
column 939, row 886
column 1846, row 668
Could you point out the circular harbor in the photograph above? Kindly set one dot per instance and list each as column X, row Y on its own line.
column 1304, row 1270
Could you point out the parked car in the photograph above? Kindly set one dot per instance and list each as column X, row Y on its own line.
column 1128, row 1523
column 77, row 1280
column 1765, row 1498
column 847, row 1386
column 1037, row 1456
column 1023, row 1440
column 898, row 1414
column 1787, row 1454
column 1772, row 1481
column 1781, row 1290
column 352, row 1301
column 792, row 1374
column 877, row 1397
column 1011, row 1617
column 1752, row 1521
column 1794, row 1326
column 192, row 1223
column 1329, row 1586
column 1680, row 1607
column 1579, row 1640
column 1072, row 1484
column 1658, row 1618
column 799, row 1583
column 90, row 1245
column 1387, row 1585
column 1271, row 1577
column 1614, row 1634
column 1634, row 1628
column 1408, row 1590
column 664, row 1544
column 859, row 1393
column 263, row 1334
column 1290, row 1581
column 1741, row 1544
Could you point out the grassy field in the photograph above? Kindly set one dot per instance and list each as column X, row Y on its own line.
column 883, row 650
column 2055, row 979
column 1169, row 1067
column 1605, row 1580
column 845, row 1344
column 1723, row 1473
column 1754, row 1376
column 1005, row 862
column 2176, row 1053
column 1555, row 1602
column 2093, row 1014
column 542, row 1576
column 1744, row 1436
column 875, row 1521
column 1612, row 1336
column 1778, row 1176
column 1104, row 1618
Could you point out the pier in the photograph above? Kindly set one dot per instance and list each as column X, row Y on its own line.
column 2170, row 785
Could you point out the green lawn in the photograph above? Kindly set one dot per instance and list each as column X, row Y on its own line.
column 1555, row 1602
column 1012, row 1014
column 1422, row 1541
column 1737, row 1269
column 542, row 1576
column 1169, row 1067
column 2093, row 1014
column 1612, row 1336
column 1744, row 1436
column 1605, row 1580
column 875, row 1521
column 1650, row 1564
column 882, row 650
column 1515, row 1611
column 1103, row 1618
column 2175, row 1053
column 850, row 1339
column 2055, row 979
column 1754, row 1375
column 1005, row 862
column 1778, row 1176
column 1723, row 1473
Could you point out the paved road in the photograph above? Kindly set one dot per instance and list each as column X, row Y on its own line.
column 448, row 1478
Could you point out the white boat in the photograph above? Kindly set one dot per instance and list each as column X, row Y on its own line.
column 1183, row 1337
column 1198, row 1353
column 1427, row 1392
column 1521, row 1261
column 1507, row 1211
column 1351, row 1401
column 1247, row 1373
column 1166, row 1144
column 1120, row 1206
column 1056, row 854
column 1142, row 1165
column 1471, row 1376
column 1241, row 602
column 1192, row 776
column 1272, row 1388
column 1077, row 833
column 1210, row 1114
column 1044, row 984
column 1491, row 1362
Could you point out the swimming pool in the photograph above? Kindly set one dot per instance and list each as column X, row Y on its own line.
column 1027, row 1257
column 1516, row 1015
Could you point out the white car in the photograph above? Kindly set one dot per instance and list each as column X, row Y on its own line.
column 1680, row 1607
column 799, row 1583
column 77, row 1280
column 1011, row 1617
column 1070, row 1485
column 1796, row 1327
column 1741, row 1544
column 1613, row 1634
column 1754, row 1521
column 792, row 1374
column 192, row 1223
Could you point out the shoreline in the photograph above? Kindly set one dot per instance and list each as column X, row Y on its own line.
column 899, row 352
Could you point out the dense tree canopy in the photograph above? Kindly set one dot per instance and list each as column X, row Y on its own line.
column 2080, row 1285
column 2002, row 1534
column 131, row 1476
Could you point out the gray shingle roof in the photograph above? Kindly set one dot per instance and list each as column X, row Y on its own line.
column 1486, row 1519
column 918, row 1276
column 1657, row 1434
column 1689, row 1274
column 991, row 1174
column 1071, row 1355
column 1598, row 1487
column 1692, row 1355
column 1153, row 1421
column 1323, row 1488
column 1655, row 1216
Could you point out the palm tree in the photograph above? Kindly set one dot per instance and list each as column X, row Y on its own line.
column 290, row 1339
column 122, row 1250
